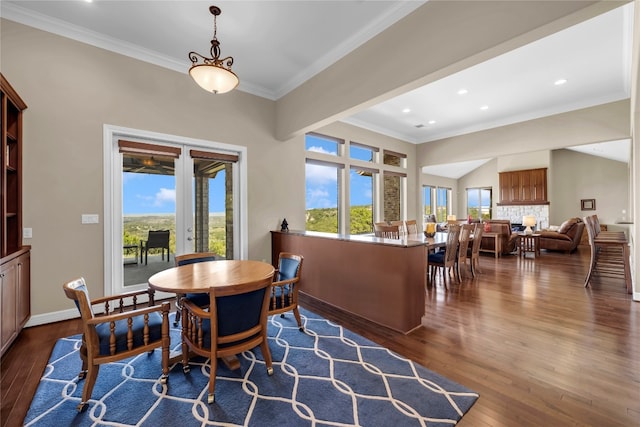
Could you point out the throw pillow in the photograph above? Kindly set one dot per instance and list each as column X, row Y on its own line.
column 487, row 227
column 566, row 226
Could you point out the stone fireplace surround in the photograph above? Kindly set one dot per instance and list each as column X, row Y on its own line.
column 514, row 213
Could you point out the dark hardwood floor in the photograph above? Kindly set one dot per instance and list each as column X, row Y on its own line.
column 539, row 348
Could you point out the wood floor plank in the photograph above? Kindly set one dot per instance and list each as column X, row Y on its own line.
column 539, row 348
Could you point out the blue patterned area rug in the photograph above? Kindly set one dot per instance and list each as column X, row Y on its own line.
column 328, row 376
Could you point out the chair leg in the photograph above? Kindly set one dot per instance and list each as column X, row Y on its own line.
column 266, row 354
column 88, row 387
column 212, row 380
column 296, row 313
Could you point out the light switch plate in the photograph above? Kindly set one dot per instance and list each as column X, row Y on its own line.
column 27, row 233
column 90, row 218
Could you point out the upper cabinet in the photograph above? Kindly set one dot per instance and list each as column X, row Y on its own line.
column 524, row 187
column 11, row 106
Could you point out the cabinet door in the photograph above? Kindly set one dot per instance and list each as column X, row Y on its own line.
column 8, row 298
column 505, row 187
column 516, row 190
column 23, row 284
column 526, row 185
column 539, row 185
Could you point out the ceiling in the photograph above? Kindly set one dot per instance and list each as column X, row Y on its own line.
column 278, row 45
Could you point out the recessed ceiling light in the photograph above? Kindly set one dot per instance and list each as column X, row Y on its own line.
column 406, row 110
column 432, row 122
column 484, row 107
column 462, row 92
column 560, row 82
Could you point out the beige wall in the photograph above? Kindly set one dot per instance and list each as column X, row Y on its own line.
column 571, row 176
column 73, row 89
column 579, row 176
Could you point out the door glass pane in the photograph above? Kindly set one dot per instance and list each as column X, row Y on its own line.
column 148, row 205
column 212, row 207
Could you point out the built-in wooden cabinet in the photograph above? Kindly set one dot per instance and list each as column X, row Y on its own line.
column 15, row 258
column 523, row 187
column 15, row 295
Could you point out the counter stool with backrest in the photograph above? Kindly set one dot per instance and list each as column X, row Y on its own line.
column 117, row 334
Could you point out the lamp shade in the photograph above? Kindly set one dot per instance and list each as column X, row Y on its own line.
column 213, row 78
column 451, row 217
column 528, row 221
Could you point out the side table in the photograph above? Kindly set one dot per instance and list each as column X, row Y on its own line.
column 528, row 243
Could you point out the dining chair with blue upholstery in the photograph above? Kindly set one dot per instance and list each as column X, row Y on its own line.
column 201, row 299
column 445, row 259
column 285, row 286
column 121, row 329
column 235, row 322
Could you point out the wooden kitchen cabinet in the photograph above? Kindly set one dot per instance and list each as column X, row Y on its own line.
column 523, row 187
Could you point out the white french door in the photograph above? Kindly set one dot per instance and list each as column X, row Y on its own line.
column 195, row 190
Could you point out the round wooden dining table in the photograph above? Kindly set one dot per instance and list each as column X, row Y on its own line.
column 200, row 276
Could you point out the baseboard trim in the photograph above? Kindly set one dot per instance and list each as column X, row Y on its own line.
column 56, row 316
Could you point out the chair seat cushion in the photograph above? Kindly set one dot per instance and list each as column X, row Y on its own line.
column 104, row 333
column 201, row 300
column 436, row 257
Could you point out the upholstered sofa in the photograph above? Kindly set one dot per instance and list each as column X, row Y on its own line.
column 566, row 238
column 507, row 238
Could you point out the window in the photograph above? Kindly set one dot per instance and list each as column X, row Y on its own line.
column 394, row 159
column 479, row 203
column 322, row 197
column 362, row 152
column 349, row 203
column 322, row 144
column 361, row 200
column 437, row 200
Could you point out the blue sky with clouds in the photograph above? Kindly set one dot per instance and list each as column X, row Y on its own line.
column 322, row 181
column 156, row 194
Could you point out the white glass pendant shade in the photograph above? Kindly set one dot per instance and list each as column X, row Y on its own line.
column 214, row 79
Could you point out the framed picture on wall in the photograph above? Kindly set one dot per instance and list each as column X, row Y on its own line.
column 588, row 204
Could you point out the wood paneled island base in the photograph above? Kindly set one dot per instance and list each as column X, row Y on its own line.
column 381, row 280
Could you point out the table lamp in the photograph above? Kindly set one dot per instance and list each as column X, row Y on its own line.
column 528, row 221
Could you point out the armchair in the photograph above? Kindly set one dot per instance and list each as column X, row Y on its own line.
column 236, row 322
column 284, row 289
column 566, row 238
column 117, row 334
column 201, row 300
column 507, row 239
column 155, row 240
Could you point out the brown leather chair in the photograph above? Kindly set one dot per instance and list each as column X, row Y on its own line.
column 117, row 334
